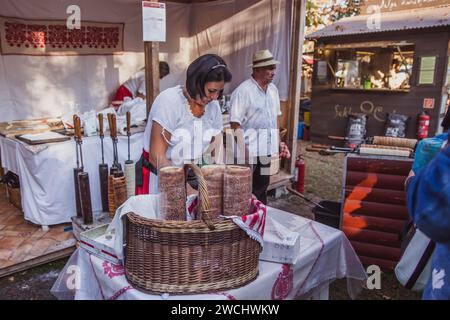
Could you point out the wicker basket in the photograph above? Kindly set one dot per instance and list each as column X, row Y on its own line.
column 189, row 257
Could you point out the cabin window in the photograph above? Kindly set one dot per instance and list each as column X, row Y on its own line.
column 386, row 67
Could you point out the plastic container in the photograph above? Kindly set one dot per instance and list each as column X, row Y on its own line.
column 307, row 118
column 330, row 217
column 300, row 130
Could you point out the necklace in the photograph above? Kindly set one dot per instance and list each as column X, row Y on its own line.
column 193, row 107
column 196, row 110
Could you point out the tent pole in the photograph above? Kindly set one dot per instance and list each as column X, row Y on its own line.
column 298, row 37
column 151, row 50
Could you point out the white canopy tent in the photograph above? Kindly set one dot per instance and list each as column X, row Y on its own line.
column 52, row 85
column 49, row 86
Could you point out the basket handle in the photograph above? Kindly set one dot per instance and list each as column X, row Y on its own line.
column 205, row 206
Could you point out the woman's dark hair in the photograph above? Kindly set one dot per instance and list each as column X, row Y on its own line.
column 206, row 68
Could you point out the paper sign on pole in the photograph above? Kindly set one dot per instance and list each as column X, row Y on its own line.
column 154, row 21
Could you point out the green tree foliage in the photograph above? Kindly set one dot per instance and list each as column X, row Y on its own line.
column 313, row 15
column 320, row 15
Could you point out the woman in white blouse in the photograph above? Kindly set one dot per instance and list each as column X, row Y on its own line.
column 183, row 121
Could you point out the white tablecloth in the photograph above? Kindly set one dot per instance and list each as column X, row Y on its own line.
column 8, row 154
column 325, row 255
column 46, row 177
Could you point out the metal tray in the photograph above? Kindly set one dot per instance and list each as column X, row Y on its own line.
column 35, row 142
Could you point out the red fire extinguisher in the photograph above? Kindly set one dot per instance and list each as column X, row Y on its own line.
column 423, row 124
column 300, row 174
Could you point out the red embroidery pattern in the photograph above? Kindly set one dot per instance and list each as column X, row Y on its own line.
column 226, row 294
column 58, row 36
column 77, row 37
column 111, row 37
column 284, row 283
column 15, row 33
column 120, row 292
column 113, row 270
column 322, row 246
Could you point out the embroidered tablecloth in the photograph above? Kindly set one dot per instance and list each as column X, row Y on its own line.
column 325, row 255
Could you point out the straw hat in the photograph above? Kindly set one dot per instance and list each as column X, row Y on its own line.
column 263, row 58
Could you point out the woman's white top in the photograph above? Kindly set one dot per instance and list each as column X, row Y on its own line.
column 190, row 136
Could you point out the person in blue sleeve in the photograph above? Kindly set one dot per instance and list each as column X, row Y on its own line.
column 428, row 200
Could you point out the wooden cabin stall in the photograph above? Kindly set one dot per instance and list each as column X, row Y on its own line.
column 353, row 65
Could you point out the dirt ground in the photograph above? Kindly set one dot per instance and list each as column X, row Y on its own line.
column 33, row 284
column 323, row 181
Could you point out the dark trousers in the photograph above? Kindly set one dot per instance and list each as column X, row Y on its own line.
column 261, row 179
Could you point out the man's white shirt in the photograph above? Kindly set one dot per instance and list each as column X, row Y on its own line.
column 256, row 111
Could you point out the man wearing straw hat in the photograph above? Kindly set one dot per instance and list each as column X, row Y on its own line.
column 255, row 107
